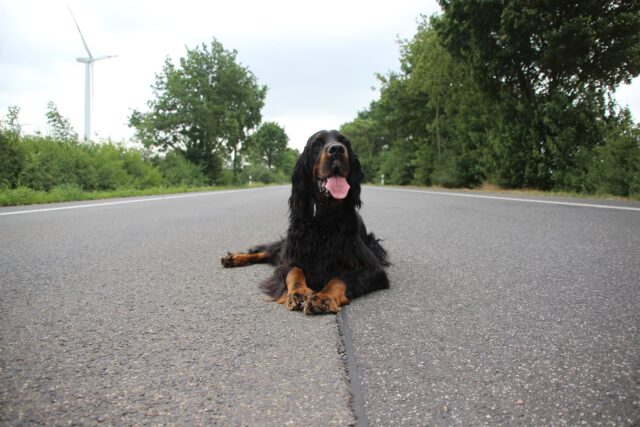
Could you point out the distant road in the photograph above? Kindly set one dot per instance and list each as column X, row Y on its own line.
column 501, row 311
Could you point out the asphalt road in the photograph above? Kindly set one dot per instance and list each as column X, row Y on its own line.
column 500, row 312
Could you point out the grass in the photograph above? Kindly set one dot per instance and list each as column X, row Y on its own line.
column 69, row 193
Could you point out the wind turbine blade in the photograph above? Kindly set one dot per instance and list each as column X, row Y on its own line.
column 99, row 58
column 86, row 46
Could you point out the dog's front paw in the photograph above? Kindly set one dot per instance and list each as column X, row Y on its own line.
column 298, row 299
column 321, row 304
column 228, row 261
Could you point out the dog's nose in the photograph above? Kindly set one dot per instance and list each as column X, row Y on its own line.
column 335, row 149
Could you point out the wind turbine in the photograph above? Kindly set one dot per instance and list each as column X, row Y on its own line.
column 88, row 81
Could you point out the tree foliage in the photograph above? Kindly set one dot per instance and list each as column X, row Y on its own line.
column 267, row 145
column 204, row 107
column 548, row 65
column 59, row 126
column 537, row 48
column 514, row 93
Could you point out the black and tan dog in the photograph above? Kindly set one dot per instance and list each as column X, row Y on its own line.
column 327, row 257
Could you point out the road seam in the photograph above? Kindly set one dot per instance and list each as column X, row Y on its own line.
column 353, row 373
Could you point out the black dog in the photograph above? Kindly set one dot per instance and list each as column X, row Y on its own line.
column 327, row 258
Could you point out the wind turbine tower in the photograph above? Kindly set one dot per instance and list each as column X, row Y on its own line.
column 88, row 81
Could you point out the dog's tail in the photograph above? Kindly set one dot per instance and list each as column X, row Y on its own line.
column 378, row 250
column 275, row 286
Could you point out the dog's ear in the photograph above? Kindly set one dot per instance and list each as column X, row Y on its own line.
column 355, row 178
column 355, row 174
column 299, row 201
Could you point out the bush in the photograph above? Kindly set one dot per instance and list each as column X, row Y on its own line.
column 109, row 171
column 141, row 173
column 178, row 171
column 614, row 168
column 259, row 173
column 49, row 163
column 17, row 196
column 66, row 192
column 11, row 159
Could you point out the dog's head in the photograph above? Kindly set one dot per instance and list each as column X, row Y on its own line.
column 327, row 172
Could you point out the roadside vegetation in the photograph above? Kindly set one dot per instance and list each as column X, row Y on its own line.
column 220, row 142
column 515, row 94
column 502, row 95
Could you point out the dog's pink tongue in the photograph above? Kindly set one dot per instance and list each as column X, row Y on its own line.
column 338, row 187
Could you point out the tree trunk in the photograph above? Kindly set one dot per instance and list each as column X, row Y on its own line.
column 236, row 165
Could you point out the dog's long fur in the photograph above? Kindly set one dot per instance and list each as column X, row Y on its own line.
column 327, row 241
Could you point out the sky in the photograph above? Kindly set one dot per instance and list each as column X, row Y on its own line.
column 318, row 59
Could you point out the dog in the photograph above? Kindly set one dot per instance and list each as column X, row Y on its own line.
column 327, row 257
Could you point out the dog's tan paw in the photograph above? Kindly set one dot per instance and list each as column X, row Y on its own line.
column 298, row 299
column 228, row 261
column 321, row 304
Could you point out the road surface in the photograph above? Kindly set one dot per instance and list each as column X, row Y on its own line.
column 501, row 311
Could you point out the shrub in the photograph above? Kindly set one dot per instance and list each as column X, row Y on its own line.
column 11, row 159
column 178, row 171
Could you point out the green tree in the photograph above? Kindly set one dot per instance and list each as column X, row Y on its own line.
column 204, row 107
column 13, row 120
column 59, row 127
column 268, row 144
column 288, row 161
column 450, row 150
column 538, row 61
column 431, row 70
column 368, row 138
column 614, row 166
column 538, row 47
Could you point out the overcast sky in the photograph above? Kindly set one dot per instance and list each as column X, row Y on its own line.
column 318, row 59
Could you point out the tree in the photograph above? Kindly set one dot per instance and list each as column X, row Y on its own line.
column 267, row 144
column 541, row 62
column 536, row 47
column 367, row 135
column 449, row 150
column 13, row 120
column 614, row 167
column 59, row 127
column 204, row 108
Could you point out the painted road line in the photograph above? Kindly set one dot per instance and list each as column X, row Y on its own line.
column 509, row 199
column 124, row 202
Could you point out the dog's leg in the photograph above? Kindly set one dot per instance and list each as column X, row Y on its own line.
column 298, row 292
column 259, row 254
column 243, row 259
column 329, row 299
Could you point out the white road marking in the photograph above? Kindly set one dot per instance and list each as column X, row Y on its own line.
column 405, row 190
column 123, row 202
column 510, row 199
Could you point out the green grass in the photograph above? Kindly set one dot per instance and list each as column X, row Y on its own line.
column 69, row 193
